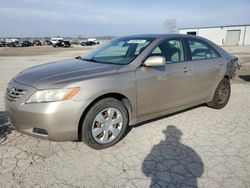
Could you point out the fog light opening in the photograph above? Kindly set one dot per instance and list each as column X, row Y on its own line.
column 40, row 131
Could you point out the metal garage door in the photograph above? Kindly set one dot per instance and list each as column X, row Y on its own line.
column 233, row 37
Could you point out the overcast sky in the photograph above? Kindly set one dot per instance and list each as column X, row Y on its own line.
column 114, row 17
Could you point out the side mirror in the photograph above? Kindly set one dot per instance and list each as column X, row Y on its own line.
column 155, row 61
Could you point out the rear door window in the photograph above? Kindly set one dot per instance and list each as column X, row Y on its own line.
column 201, row 50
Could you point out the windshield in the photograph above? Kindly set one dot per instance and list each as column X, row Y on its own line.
column 120, row 51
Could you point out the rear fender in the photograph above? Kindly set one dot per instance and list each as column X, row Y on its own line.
column 232, row 66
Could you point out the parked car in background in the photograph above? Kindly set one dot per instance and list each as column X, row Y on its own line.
column 62, row 43
column 56, row 40
column 37, row 43
column 12, row 43
column 93, row 40
column 123, row 82
column 90, row 42
column 26, row 43
column 2, row 43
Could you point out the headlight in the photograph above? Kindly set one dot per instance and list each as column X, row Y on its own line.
column 7, row 87
column 52, row 95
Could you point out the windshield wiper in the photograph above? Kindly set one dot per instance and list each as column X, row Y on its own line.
column 94, row 60
column 91, row 60
column 79, row 57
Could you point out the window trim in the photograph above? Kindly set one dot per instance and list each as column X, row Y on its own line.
column 189, row 53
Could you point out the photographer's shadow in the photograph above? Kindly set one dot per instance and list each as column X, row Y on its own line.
column 171, row 163
column 5, row 127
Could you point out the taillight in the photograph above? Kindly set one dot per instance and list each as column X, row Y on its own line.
column 236, row 62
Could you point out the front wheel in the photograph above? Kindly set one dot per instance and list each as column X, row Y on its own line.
column 221, row 95
column 104, row 124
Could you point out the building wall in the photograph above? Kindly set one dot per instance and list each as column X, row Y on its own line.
column 242, row 31
column 247, row 36
column 218, row 34
column 184, row 31
column 213, row 34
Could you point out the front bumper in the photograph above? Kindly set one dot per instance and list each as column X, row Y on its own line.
column 57, row 121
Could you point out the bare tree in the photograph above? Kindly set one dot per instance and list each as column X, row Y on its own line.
column 170, row 25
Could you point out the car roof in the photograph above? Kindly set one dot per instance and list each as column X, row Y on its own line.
column 163, row 36
column 147, row 35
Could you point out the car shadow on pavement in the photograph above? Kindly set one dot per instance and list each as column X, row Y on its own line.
column 171, row 163
column 245, row 77
column 5, row 127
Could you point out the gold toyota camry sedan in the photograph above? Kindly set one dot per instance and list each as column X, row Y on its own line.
column 123, row 82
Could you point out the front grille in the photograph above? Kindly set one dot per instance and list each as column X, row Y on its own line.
column 15, row 93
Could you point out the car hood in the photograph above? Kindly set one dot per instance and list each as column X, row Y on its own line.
column 63, row 72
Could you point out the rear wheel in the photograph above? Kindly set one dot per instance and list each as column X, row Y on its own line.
column 104, row 124
column 221, row 95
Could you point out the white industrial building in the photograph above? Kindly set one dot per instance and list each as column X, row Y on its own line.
column 222, row 35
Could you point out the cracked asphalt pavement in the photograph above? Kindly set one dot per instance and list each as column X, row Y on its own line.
column 199, row 147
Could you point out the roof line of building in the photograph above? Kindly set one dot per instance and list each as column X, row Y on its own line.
column 242, row 25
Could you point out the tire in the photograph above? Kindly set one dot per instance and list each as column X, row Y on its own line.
column 221, row 95
column 99, row 130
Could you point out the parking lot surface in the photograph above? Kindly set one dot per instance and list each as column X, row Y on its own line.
column 198, row 147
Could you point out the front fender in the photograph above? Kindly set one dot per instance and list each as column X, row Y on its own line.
column 123, row 84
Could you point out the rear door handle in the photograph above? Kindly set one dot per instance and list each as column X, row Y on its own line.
column 221, row 63
column 186, row 70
